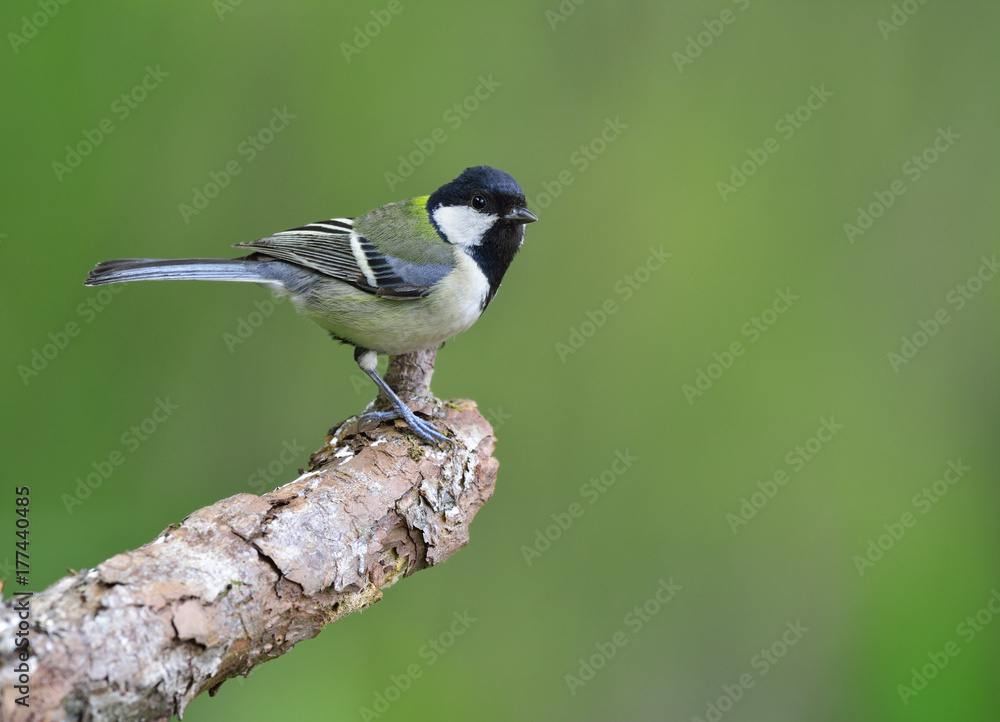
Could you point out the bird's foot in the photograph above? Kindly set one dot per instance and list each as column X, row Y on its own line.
column 424, row 429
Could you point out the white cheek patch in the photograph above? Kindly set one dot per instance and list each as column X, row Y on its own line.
column 462, row 225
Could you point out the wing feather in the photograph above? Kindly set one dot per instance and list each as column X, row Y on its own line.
column 334, row 249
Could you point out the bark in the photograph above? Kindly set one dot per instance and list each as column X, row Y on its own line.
column 242, row 581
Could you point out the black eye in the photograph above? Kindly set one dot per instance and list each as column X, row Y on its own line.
column 478, row 202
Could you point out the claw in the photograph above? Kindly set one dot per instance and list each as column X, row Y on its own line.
column 424, row 429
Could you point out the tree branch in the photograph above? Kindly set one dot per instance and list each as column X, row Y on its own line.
column 242, row 581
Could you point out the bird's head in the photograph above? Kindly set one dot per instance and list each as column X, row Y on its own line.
column 483, row 212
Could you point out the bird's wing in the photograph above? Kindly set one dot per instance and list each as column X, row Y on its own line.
column 334, row 248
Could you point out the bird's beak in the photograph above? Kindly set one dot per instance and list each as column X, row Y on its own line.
column 521, row 215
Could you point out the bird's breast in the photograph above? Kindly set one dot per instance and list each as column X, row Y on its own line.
column 459, row 298
column 397, row 326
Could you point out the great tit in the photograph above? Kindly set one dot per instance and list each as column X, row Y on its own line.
column 401, row 278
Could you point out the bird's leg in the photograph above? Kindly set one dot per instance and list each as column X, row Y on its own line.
column 367, row 361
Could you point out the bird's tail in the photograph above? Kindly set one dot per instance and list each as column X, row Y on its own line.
column 194, row 269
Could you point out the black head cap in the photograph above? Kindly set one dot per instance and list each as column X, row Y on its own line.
column 494, row 192
column 501, row 192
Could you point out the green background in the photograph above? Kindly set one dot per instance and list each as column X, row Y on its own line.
column 558, row 80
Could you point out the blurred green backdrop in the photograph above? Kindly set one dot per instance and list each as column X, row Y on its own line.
column 787, row 386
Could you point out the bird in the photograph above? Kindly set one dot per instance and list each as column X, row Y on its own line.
column 403, row 277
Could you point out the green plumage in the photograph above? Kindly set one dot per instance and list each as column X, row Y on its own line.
column 403, row 230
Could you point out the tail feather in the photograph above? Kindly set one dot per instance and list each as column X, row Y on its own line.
column 194, row 269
